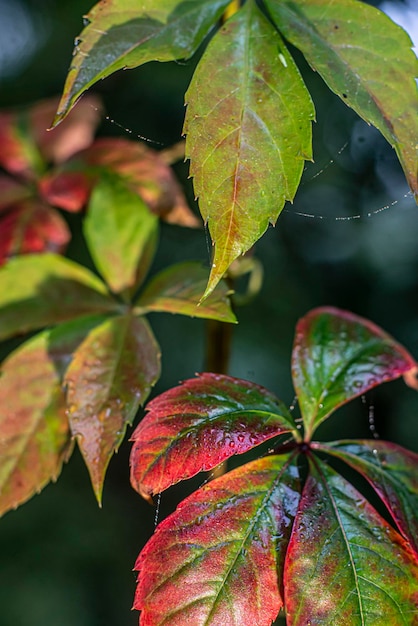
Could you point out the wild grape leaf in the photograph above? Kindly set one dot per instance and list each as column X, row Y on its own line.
column 366, row 60
column 110, row 376
column 218, row 558
column 39, row 290
column 345, row 565
column 392, row 472
column 34, row 432
column 11, row 191
column 123, row 34
column 248, row 127
column 199, row 424
column 338, row 356
column 117, row 228
column 179, row 289
column 68, row 190
column 31, row 226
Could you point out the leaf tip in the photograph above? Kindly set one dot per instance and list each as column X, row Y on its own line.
column 411, row 378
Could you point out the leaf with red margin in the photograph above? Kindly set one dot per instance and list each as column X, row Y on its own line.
column 392, row 471
column 338, row 356
column 110, row 376
column 199, row 424
column 345, row 565
column 218, row 558
column 30, row 226
column 179, row 289
column 44, row 289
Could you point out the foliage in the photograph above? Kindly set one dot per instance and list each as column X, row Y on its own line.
column 279, row 532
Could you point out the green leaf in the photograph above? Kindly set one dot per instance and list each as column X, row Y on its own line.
column 366, row 60
column 345, row 565
column 338, row 356
column 110, row 376
column 248, row 126
column 118, row 228
column 34, row 432
column 216, row 560
column 179, row 289
column 44, row 289
column 125, row 33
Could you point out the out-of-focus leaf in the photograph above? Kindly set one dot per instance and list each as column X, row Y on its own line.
column 31, row 226
column 110, row 376
column 345, row 565
column 34, row 432
column 11, row 191
column 217, row 559
column 338, row 356
column 364, row 58
column 117, row 229
column 39, row 290
column 179, row 289
column 248, row 126
column 392, row 472
column 199, row 424
column 124, row 34
column 67, row 190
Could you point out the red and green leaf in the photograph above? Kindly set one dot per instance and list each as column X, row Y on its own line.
column 179, row 289
column 124, row 34
column 218, row 558
column 392, row 472
column 366, row 60
column 248, row 127
column 345, row 565
column 338, row 356
column 110, row 376
column 199, row 424
column 41, row 290
column 66, row 189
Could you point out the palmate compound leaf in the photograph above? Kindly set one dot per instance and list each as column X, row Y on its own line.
column 110, row 376
column 338, row 356
column 45, row 289
column 199, row 424
column 345, row 565
column 392, row 471
column 218, row 559
column 125, row 34
column 248, row 132
column 365, row 59
column 179, row 288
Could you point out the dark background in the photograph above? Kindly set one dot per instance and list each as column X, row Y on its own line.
column 63, row 561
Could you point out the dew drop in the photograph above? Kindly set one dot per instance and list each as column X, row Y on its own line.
column 86, row 20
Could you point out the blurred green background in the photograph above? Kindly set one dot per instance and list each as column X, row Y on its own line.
column 349, row 240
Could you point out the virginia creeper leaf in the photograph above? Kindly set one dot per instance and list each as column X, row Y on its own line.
column 11, row 191
column 111, row 374
column 39, row 290
column 366, row 59
column 338, row 356
column 392, row 472
column 117, row 228
column 68, row 190
column 199, row 424
column 124, row 34
column 345, row 565
column 179, row 289
column 34, row 432
column 217, row 558
column 248, row 127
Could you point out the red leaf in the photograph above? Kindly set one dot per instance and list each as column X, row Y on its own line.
column 10, row 192
column 217, row 559
column 66, row 190
column 199, row 424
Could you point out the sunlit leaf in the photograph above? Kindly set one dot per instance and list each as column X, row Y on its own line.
column 39, row 290
column 248, row 125
column 364, row 58
column 199, row 424
column 110, row 376
column 345, row 565
column 179, row 289
column 217, row 559
column 124, row 34
column 117, row 229
column 392, row 472
column 337, row 356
